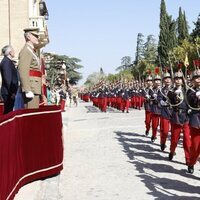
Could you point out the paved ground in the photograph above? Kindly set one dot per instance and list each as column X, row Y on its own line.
column 107, row 157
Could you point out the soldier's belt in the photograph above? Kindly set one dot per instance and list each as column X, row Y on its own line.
column 35, row 73
column 179, row 110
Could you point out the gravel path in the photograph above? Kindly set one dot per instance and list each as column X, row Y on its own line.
column 107, row 157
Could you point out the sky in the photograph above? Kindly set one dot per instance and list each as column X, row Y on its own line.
column 101, row 32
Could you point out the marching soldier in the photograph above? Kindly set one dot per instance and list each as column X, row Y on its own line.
column 29, row 69
column 179, row 119
column 165, row 109
column 155, row 105
column 146, row 91
column 193, row 97
column 125, row 98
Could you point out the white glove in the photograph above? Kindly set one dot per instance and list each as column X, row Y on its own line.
column 155, row 96
column 147, row 96
column 163, row 103
column 178, row 91
column 198, row 94
column 29, row 94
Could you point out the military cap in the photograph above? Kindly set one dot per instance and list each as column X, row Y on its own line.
column 157, row 77
column 166, row 75
column 149, row 78
column 33, row 31
column 178, row 74
column 196, row 73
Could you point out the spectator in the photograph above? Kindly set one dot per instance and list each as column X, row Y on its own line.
column 9, row 78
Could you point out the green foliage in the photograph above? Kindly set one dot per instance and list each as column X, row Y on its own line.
column 54, row 64
column 167, row 38
column 125, row 63
column 178, row 54
column 182, row 27
column 196, row 31
column 94, row 78
column 139, row 48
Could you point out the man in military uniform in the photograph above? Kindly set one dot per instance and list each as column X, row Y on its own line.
column 193, row 97
column 165, row 109
column 29, row 69
column 155, row 106
column 147, row 107
column 179, row 118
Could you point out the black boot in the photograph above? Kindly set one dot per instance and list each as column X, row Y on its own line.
column 191, row 169
column 162, row 147
column 171, row 155
column 146, row 133
column 153, row 138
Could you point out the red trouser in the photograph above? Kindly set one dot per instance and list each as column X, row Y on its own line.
column 155, row 123
column 175, row 136
column 195, row 145
column 148, row 120
column 104, row 104
column 164, row 129
column 125, row 104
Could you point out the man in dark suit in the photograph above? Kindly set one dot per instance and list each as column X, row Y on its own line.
column 9, row 78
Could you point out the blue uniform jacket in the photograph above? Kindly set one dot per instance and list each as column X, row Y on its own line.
column 194, row 104
column 155, row 105
column 166, row 111
column 179, row 107
column 145, row 93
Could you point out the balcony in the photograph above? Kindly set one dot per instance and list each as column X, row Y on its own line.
column 39, row 22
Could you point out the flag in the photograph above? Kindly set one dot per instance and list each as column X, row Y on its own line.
column 186, row 62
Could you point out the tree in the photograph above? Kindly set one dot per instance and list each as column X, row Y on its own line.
column 125, row 63
column 182, row 26
column 167, row 36
column 139, row 48
column 93, row 79
column 101, row 71
column 150, row 49
column 54, row 64
column 196, row 31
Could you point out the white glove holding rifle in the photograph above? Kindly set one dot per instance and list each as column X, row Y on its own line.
column 198, row 94
column 29, row 95
column 178, row 91
column 163, row 103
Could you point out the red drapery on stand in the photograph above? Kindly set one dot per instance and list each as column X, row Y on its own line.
column 1, row 108
column 31, row 147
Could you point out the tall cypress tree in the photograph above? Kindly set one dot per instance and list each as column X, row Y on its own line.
column 167, row 37
column 182, row 27
column 150, row 49
column 139, row 48
column 186, row 26
column 196, row 31
column 163, row 37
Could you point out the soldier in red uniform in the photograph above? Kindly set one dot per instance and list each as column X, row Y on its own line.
column 155, row 105
column 193, row 97
column 179, row 119
column 165, row 109
column 145, row 92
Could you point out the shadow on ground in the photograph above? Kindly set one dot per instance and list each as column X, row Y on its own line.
column 137, row 148
column 93, row 109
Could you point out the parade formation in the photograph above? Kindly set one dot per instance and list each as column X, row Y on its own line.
column 171, row 102
column 37, row 88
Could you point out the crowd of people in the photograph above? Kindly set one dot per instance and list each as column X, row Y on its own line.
column 171, row 102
